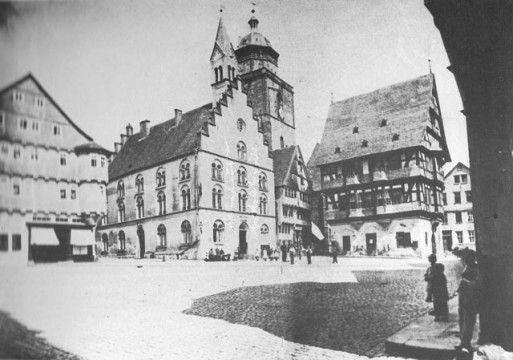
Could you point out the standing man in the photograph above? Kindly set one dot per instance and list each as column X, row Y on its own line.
column 334, row 252
column 292, row 252
column 470, row 295
column 309, row 255
column 283, row 249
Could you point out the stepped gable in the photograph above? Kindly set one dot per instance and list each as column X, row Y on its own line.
column 282, row 162
column 164, row 142
column 404, row 106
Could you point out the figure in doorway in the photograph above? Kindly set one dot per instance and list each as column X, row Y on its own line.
column 309, row 255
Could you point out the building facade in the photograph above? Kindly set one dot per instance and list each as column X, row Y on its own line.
column 205, row 179
column 53, row 179
column 458, row 225
column 377, row 174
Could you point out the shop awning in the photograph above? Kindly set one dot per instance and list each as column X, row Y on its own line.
column 43, row 236
column 81, row 237
column 317, row 232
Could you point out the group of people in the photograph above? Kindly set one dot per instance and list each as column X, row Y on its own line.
column 217, row 255
column 285, row 251
column 267, row 254
column 469, row 299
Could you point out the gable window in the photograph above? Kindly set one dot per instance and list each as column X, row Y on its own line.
column 457, row 197
column 243, row 198
column 262, row 182
column 185, row 170
column 242, row 177
column 217, row 171
column 121, row 188
column 186, row 198
column 217, row 195
column 241, row 125
column 23, row 124
column 122, row 240
column 218, row 231
column 263, row 205
column 463, row 179
column 161, row 199
column 93, row 161
column 241, row 151
column 121, row 211
column 456, row 179
column 17, row 96
column 56, row 130
column 40, row 102
column 161, row 177
column 139, row 183
column 186, row 232
column 63, row 159
column 162, row 234
column 140, row 207
column 35, row 125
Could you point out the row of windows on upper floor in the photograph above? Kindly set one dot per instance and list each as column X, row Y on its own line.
column 447, row 235
column 460, row 179
column 379, row 162
column 291, row 193
column 302, row 214
column 18, row 96
column 185, row 174
column 30, row 125
column 65, row 192
column 458, row 217
column 217, row 202
column 95, row 160
column 457, row 197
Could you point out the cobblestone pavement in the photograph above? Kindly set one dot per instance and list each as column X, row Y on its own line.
column 133, row 309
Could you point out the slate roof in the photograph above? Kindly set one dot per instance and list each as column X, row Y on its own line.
column 404, row 106
column 282, row 160
column 164, row 142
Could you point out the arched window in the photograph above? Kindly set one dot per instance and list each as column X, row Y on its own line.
column 105, row 241
column 263, row 204
column 241, row 151
column 262, row 182
column 121, row 211
column 186, row 232
column 217, row 170
column 161, row 177
column 282, row 142
column 162, row 233
column 186, row 198
column 121, row 188
column 140, row 207
column 241, row 125
column 264, row 230
column 161, row 198
column 218, row 231
column 242, row 178
column 216, row 72
column 185, row 170
column 139, row 183
column 122, row 240
column 243, row 198
column 217, row 195
column 229, row 72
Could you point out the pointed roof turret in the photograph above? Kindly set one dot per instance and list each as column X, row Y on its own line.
column 223, row 42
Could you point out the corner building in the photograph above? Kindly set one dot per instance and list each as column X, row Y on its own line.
column 53, row 179
column 204, row 179
column 377, row 174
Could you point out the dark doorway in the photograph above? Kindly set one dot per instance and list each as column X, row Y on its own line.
column 140, row 234
column 243, row 244
column 371, row 243
column 346, row 244
column 447, row 238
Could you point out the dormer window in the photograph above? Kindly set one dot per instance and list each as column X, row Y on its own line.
column 365, row 143
column 355, row 130
column 384, row 122
column 337, row 150
column 395, row 137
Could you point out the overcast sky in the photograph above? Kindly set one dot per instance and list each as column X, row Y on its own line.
column 109, row 63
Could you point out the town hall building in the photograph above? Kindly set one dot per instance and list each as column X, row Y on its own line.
column 205, row 179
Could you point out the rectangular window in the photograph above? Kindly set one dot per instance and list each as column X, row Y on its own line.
column 468, row 194
column 63, row 159
column 444, row 198
column 56, row 130
column 4, row 242
column 17, row 96
column 73, row 194
column 16, row 152
column 40, row 102
column 470, row 216
column 458, row 217
column 23, row 124
column 463, row 179
column 459, row 235
column 93, row 160
column 16, row 189
column 456, row 179
column 63, row 193
column 403, row 239
column 472, row 236
column 457, row 197
column 35, row 125
column 33, row 154
column 16, row 242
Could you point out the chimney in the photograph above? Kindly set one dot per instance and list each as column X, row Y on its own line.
column 178, row 116
column 123, row 139
column 129, row 130
column 145, row 128
column 117, row 147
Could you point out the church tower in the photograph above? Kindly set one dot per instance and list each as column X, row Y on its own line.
column 271, row 97
column 223, row 62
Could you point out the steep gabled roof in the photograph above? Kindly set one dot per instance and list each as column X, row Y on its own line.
column 460, row 164
column 165, row 141
column 282, row 162
column 222, row 43
column 32, row 78
column 404, row 107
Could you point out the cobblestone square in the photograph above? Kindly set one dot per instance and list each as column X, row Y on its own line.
column 134, row 309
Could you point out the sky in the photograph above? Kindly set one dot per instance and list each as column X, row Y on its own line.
column 110, row 63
